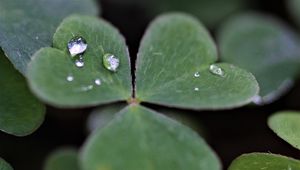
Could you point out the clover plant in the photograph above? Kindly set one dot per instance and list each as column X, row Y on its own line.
column 60, row 54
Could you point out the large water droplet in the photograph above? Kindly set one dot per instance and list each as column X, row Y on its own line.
column 98, row 82
column 197, row 74
column 111, row 62
column 216, row 70
column 70, row 78
column 77, row 45
column 79, row 62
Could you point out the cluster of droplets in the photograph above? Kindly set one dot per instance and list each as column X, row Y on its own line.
column 214, row 69
column 97, row 82
column 77, row 47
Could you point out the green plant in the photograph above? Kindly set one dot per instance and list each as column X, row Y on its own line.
column 177, row 66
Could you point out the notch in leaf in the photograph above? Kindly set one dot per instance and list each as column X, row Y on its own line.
column 176, row 67
column 55, row 77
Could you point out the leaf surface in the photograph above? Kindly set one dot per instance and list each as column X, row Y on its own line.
column 143, row 138
column 264, row 161
column 63, row 159
column 28, row 25
column 173, row 68
column 286, row 125
column 20, row 112
column 50, row 71
column 4, row 165
column 265, row 47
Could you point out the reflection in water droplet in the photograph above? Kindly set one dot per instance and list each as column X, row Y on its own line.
column 197, row 74
column 70, row 78
column 196, row 89
column 111, row 62
column 216, row 70
column 79, row 62
column 77, row 45
column 98, row 82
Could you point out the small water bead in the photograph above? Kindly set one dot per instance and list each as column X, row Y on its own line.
column 197, row 74
column 70, row 78
column 111, row 62
column 87, row 88
column 98, row 82
column 77, row 45
column 79, row 62
column 196, row 89
column 216, row 70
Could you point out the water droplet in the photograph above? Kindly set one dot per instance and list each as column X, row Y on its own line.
column 87, row 88
column 98, row 82
column 111, row 62
column 216, row 70
column 77, row 45
column 196, row 89
column 37, row 37
column 70, row 78
column 197, row 74
column 79, row 62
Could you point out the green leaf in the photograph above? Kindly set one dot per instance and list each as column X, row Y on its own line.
column 174, row 48
column 264, row 161
column 4, row 165
column 286, row 125
column 210, row 12
column 63, row 159
column 48, row 71
column 294, row 9
column 28, row 25
column 183, row 117
column 264, row 46
column 20, row 112
column 102, row 115
column 141, row 138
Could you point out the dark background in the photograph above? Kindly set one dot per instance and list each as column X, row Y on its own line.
column 230, row 133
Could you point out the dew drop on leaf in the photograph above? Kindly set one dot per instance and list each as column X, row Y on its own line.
column 197, row 74
column 79, row 62
column 87, row 88
column 70, row 78
column 214, row 69
column 111, row 62
column 196, row 89
column 77, row 45
column 98, row 82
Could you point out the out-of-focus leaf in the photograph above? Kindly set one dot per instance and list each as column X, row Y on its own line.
column 141, row 138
